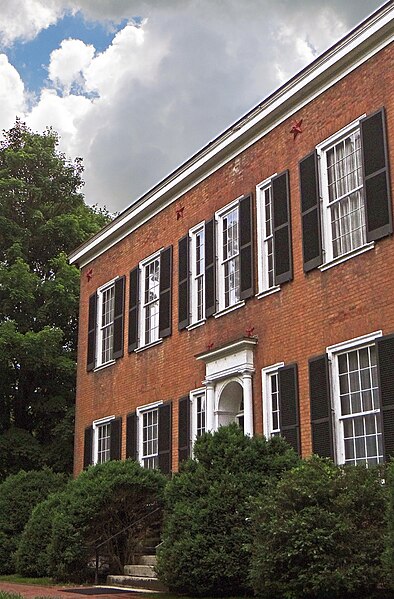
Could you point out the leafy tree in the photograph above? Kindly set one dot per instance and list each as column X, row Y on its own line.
column 42, row 217
column 207, row 527
column 19, row 494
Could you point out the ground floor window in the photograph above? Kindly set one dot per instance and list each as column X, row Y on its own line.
column 271, row 403
column 150, row 436
column 102, row 440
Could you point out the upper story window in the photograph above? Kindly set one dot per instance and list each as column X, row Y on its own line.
column 228, row 251
column 274, row 233
column 345, row 195
column 150, row 297
column 150, row 300
column 105, row 324
column 197, row 271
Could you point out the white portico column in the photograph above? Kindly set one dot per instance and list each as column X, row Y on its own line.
column 210, row 406
column 248, row 403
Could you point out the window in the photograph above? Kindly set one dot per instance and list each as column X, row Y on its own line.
column 150, row 295
column 271, row 404
column 198, row 415
column 150, row 436
column 228, row 250
column 342, row 193
column 102, row 440
column 358, row 426
column 265, row 237
column 197, row 269
column 106, row 304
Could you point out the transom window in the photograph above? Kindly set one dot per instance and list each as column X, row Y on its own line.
column 150, row 300
column 150, row 435
column 228, row 243
column 342, row 191
column 105, row 314
column 197, row 274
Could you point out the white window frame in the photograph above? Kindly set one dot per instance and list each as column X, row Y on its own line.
column 99, row 362
column 220, row 270
column 143, row 307
column 195, row 319
column 97, row 425
column 140, row 429
column 264, row 287
column 333, row 352
column 194, row 395
column 325, row 208
column 266, row 373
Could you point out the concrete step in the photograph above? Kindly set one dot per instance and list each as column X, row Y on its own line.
column 139, row 570
column 135, row 582
column 146, row 560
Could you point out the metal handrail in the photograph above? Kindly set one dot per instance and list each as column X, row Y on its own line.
column 97, row 547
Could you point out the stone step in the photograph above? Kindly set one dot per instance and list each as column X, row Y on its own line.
column 146, row 560
column 134, row 582
column 139, row 570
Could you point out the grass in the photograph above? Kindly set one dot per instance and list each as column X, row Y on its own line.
column 15, row 578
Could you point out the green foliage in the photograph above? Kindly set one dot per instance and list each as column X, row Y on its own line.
column 42, row 217
column 19, row 494
column 320, row 533
column 389, row 553
column 207, row 529
column 32, row 555
column 102, row 501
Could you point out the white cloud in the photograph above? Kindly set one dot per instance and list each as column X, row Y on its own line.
column 162, row 90
column 68, row 63
column 12, row 98
column 24, row 19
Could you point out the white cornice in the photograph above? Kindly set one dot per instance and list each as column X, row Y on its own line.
column 354, row 49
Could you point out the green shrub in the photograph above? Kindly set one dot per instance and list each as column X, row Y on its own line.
column 32, row 555
column 207, row 533
column 389, row 555
column 19, row 494
column 99, row 503
column 320, row 532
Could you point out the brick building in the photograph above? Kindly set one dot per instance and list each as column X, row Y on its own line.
column 254, row 283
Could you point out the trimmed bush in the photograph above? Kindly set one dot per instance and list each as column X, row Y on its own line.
column 32, row 555
column 207, row 529
column 102, row 501
column 19, row 494
column 389, row 555
column 320, row 533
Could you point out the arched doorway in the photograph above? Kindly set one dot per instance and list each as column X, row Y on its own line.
column 231, row 404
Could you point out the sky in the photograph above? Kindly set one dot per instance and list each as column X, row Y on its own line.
column 135, row 87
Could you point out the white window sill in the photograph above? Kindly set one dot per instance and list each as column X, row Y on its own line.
column 102, row 366
column 195, row 325
column 269, row 291
column 148, row 345
column 340, row 259
column 229, row 309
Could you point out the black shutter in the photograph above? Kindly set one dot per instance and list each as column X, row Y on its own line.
column 310, row 212
column 385, row 350
column 88, row 447
column 183, row 282
column 164, row 441
column 376, row 176
column 319, row 393
column 116, row 439
column 184, row 429
column 282, row 228
column 133, row 309
column 288, row 405
column 246, row 247
column 165, row 292
column 92, row 325
column 131, row 436
column 210, row 265
column 118, row 317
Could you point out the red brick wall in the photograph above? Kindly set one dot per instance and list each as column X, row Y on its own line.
column 308, row 314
